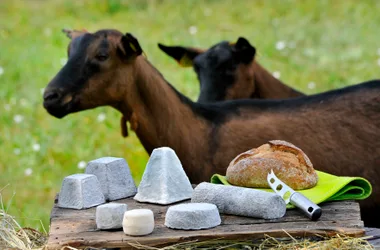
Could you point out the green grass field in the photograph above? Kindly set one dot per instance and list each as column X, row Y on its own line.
column 314, row 45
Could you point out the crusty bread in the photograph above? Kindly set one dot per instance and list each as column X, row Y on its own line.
column 289, row 163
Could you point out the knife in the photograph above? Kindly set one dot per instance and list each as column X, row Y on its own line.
column 312, row 210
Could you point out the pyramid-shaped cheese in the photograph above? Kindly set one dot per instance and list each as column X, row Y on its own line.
column 164, row 180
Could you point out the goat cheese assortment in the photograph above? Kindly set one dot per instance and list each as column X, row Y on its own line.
column 164, row 182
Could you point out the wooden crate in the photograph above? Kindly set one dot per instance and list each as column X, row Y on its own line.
column 77, row 228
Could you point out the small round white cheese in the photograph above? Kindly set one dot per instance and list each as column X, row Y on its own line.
column 138, row 222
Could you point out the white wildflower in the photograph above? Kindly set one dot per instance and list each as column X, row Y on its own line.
column 28, row 171
column 17, row 151
column 378, row 61
column 280, row 45
column 42, row 90
column 101, row 117
column 63, row 61
column 1, row 70
column 47, row 32
column 275, row 21
column 36, row 147
column 23, row 102
column 82, row 164
column 193, row 30
column 309, row 52
column 311, row 85
column 277, row 74
column 207, row 12
column 18, row 118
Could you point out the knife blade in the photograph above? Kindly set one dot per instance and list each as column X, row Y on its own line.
column 312, row 210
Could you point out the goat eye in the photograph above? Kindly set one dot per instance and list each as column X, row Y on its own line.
column 101, row 57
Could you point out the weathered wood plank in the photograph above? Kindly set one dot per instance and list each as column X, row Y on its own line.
column 372, row 235
column 163, row 236
column 77, row 228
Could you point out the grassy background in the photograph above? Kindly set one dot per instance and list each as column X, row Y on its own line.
column 328, row 44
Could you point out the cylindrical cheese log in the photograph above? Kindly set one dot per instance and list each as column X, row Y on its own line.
column 241, row 201
column 138, row 222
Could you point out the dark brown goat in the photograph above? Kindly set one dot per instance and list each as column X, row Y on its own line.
column 229, row 71
column 339, row 130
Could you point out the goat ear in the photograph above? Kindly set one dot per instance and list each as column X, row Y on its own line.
column 184, row 56
column 244, row 50
column 74, row 33
column 130, row 45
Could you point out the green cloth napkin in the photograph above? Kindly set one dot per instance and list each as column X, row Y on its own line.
column 328, row 188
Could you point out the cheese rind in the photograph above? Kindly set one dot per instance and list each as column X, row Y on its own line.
column 110, row 215
column 114, row 177
column 164, row 181
column 80, row 191
column 192, row 216
column 241, row 201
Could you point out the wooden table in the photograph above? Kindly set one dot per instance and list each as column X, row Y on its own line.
column 77, row 228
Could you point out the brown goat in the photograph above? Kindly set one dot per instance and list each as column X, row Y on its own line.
column 229, row 71
column 339, row 130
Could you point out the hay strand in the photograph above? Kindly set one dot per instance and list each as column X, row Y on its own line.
column 13, row 236
column 291, row 243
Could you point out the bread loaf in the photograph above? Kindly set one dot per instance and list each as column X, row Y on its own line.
column 289, row 163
